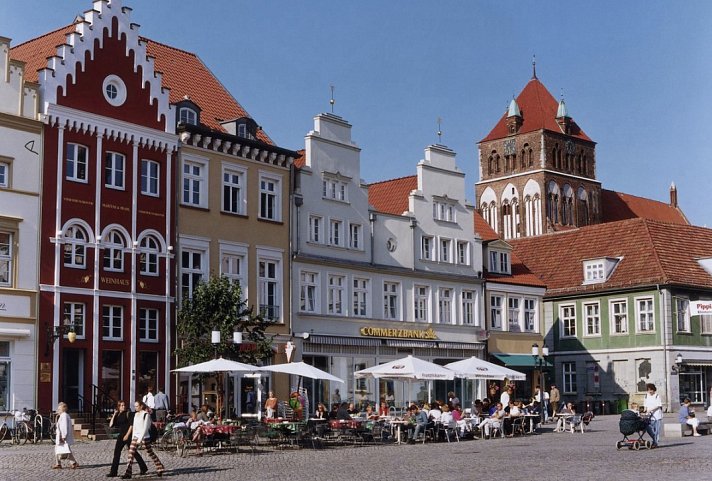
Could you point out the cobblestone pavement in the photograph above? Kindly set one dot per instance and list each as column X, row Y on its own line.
column 588, row 456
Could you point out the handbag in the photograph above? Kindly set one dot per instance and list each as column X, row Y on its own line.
column 62, row 448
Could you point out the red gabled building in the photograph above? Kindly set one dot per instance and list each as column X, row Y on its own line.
column 108, row 205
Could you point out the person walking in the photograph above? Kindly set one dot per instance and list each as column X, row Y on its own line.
column 141, row 434
column 122, row 420
column 654, row 408
column 64, row 439
column 149, row 401
column 555, row 399
column 160, row 403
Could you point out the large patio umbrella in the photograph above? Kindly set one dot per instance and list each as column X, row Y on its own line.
column 407, row 368
column 476, row 368
column 302, row 369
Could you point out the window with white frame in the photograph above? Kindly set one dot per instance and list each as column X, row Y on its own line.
column 336, row 232
column 269, row 280
column 316, row 225
column 148, row 325
column 463, row 253
column 619, row 316
column 75, row 240
column 233, row 266
column 445, row 306
column 194, row 180
column 444, row 211
column 4, row 175
column 499, row 262
column 334, row 189
column 682, row 306
column 148, row 256
column 592, row 315
column 308, row 291
column 112, row 322
column 6, row 255
column 569, row 377
column 530, row 319
column 567, row 314
column 391, row 291
column 496, row 311
column 114, row 246
column 421, row 295
column 645, row 314
column 355, row 240
column 76, row 162
column 426, row 248
column 192, row 270
column 594, row 271
column 513, row 310
column 150, row 177
column 187, row 115
column 233, row 195
column 114, row 167
column 335, row 295
column 468, row 307
column 270, row 198
column 74, row 313
column 706, row 323
column 445, row 250
column 360, row 296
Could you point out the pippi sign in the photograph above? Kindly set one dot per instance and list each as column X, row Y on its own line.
column 398, row 333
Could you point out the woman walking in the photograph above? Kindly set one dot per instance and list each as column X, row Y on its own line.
column 122, row 420
column 141, row 434
column 64, row 439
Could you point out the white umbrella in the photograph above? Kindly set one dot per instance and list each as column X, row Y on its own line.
column 302, row 369
column 476, row 368
column 218, row 365
column 407, row 368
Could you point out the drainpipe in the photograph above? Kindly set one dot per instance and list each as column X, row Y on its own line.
column 371, row 222
column 413, row 225
column 663, row 327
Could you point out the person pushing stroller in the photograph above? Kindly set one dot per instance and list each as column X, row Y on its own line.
column 631, row 423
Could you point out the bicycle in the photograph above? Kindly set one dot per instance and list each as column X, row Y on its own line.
column 19, row 431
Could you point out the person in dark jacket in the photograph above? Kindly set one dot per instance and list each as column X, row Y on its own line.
column 122, row 420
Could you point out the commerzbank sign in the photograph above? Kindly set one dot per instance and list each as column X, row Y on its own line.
column 369, row 331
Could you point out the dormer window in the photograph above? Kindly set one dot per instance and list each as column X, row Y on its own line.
column 187, row 115
column 499, row 262
column 443, row 210
column 596, row 271
column 334, row 187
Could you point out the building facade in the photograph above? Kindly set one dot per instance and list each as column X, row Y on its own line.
column 20, row 187
column 383, row 270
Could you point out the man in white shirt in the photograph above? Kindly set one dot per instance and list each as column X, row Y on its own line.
column 506, row 397
column 149, row 401
column 654, row 408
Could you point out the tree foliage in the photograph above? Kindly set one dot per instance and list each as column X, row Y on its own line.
column 218, row 305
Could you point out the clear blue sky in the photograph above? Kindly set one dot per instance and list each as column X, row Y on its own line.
column 635, row 75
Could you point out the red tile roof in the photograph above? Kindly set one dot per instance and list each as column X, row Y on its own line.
column 391, row 196
column 183, row 73
column 521, row 275
column 538, row 109
column 483, row 229
column 619, row 206
column 300, row 161
column 651, row 252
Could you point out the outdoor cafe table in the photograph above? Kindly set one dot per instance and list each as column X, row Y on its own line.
column 398, row 423
column 564, row 418
column 531, row 420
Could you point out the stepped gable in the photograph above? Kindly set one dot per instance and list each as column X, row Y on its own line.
column 391, row 196
column 538, row 108
column 651, row 252
column 180, row 73
column 619, row 206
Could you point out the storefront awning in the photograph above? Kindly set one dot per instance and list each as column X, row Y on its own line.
column 434, row 344
column 697, row 363
column 343, row 341
column 8, row 332
column 519, row 360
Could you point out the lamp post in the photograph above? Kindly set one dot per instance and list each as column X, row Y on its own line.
column 55, row 332
column 540, row 362
column 215, row 340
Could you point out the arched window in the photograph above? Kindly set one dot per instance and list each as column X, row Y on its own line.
column 523, row 158
column 493, row 220
column 536, row 214
column 490, row 165
column 582, row 213
column 497, row 165
column 584, row 165
column 530, row 157
column 148, row 257
column 75, row 240
column 114, row 246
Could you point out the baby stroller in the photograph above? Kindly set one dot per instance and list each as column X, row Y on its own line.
column 631, row 423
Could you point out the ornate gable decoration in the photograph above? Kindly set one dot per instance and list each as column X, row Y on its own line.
column 62, row 67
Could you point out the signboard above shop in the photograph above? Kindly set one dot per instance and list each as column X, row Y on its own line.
column 385, row 332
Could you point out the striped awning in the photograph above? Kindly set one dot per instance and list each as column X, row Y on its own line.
column 434, row 344
column 697, row 362
column 343, row 341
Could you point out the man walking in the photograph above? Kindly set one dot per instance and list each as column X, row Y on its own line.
column 554, row 398
column 160, row 401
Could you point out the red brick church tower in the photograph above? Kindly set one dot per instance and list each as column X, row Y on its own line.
column 537, row 169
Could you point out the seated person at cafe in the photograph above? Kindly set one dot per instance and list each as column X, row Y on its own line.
column 370, row 415
column 494, row 421
column 419, row 421
column 383, row 410
column 334, row 409
column 204, row 414
column 343, row 412
column 477, row 408
column 352, row 409
column 435, row 412
column 687, row 416
column 320, row 412
column 564, row 413
column 296, row 404
column 513, row 412
column 446, row 417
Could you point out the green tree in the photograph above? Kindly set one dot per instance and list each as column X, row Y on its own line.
column 218, row 305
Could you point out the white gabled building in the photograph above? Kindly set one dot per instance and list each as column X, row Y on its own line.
column 384, row 270
column 20, row 155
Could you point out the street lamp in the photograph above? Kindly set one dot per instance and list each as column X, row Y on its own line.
column 678, row 364
column 540, row 362
column 55, row 332
column 215, row 339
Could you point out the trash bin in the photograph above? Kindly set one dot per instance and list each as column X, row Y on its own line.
column 622, row 404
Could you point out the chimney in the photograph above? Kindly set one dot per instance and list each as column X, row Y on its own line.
column 673, row 195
